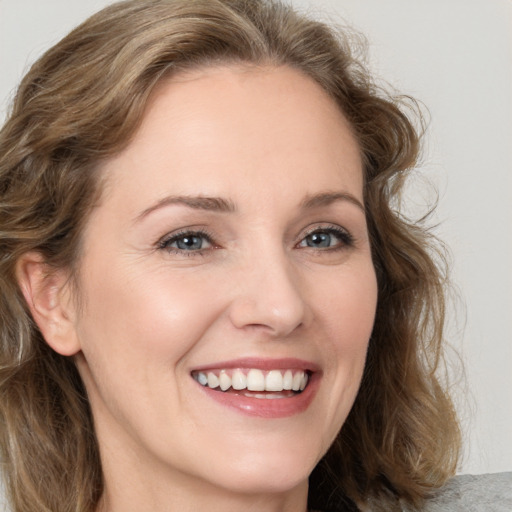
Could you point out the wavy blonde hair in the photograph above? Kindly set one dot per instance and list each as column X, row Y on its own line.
column 79, row 105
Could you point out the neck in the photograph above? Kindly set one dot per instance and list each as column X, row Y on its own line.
column 146, row 495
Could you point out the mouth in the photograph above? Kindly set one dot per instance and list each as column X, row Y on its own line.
column 264, row 388
column 255, row 383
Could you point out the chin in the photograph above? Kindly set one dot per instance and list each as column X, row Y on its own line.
column 265, row 470
column 266, row 480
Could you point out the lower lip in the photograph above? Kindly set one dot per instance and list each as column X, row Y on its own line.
column 264, row 407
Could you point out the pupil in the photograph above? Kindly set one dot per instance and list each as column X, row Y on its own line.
column 320, row 240
column 190, row 242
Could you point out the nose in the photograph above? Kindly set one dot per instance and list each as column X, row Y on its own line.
column 269, row 296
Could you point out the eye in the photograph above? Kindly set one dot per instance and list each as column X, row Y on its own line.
column 327, row 238
column 186, row 241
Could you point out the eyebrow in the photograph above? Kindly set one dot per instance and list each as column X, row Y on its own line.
column 213, row 204
column 327, row 198
column 219, row 204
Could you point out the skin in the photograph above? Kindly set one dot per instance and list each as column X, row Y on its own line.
column 264, row 140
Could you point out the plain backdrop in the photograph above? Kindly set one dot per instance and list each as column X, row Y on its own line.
column 456, row 57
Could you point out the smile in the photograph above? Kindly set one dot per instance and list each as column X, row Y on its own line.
column 266, row 388
column 275, row 383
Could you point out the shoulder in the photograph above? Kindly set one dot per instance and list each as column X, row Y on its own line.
column 474, row 493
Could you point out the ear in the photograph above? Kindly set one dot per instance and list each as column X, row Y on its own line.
column 48, row 295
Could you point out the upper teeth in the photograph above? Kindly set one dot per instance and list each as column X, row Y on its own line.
column 253, row 379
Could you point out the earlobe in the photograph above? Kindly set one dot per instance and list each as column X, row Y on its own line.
column 48, row 297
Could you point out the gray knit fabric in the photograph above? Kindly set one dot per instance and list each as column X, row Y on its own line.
column 474, row 493
column 467, row 493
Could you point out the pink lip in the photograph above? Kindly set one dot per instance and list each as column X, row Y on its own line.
column 262, row 364
column 261, row 407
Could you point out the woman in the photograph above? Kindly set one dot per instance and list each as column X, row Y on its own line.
column 208, row 297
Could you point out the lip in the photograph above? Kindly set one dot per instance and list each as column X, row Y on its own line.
column 262, row 364
column 265, row 408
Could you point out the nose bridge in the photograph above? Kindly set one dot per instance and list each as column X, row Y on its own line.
column 269, row 293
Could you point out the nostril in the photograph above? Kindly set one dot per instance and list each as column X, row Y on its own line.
column 274, row 321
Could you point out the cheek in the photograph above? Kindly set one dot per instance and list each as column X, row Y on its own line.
column 137, row 311
column 348, row 316
column 136, row 330
column 348, row 308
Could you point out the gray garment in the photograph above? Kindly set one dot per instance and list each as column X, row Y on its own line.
column 467, row 493
column 474, row 493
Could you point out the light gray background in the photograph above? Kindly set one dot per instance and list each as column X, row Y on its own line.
column 456, row 56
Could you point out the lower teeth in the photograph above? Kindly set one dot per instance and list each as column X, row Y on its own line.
column 270, row 395
column 266, row 396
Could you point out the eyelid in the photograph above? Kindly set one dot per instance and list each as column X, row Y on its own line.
column 342, row 233
column 164, row 242
column 346, row 239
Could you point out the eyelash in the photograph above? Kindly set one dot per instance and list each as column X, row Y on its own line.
column 165, row 243
column 345, row 238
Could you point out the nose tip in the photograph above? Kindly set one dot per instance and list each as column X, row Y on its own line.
column 280, row 321
column 271, row 300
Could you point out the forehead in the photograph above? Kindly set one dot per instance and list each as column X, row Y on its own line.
column 206, row 128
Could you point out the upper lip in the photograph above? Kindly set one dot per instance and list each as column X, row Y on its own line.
column 262, row 364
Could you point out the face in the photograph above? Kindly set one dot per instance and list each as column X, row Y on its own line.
column 227, row 268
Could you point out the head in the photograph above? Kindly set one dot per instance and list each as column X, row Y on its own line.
column 60, row 147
